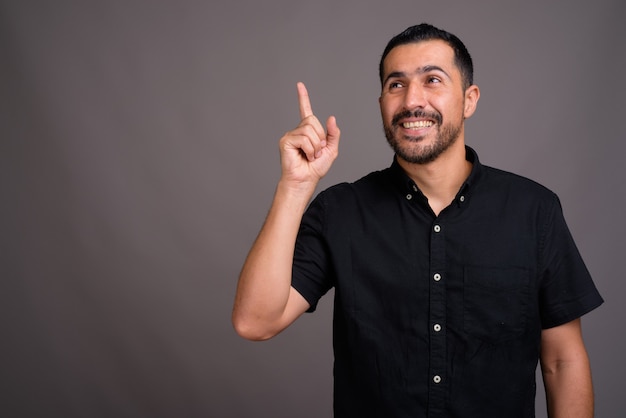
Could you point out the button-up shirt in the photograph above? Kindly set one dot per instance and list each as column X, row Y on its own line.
column 440, row 316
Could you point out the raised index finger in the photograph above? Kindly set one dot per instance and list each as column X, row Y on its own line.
column 304, row 101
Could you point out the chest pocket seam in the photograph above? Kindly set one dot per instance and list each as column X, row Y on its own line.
column 495, row 302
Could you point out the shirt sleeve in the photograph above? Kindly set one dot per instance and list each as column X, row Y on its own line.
column 567, row 291
column 312, row 276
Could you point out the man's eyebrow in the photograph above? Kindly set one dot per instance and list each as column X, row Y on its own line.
column 394, row 74
column 422, row 70
column 429, row 68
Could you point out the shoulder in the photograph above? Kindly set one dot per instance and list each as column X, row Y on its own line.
column 511, row 184
column 371, row 186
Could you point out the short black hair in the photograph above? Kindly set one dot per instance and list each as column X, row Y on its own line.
column 427, row 32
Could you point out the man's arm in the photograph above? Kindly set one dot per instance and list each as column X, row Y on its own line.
column 566, row 372
column 265, row 302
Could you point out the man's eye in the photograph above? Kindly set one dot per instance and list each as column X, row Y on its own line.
column 395, row 85
column 434, row 80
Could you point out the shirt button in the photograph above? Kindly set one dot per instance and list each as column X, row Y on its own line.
column 437, row 379
column 437, row 228
column 437, row 327
column 462, row 198
column 437, row 277
column 409, row 197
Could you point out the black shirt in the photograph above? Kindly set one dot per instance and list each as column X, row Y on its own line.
column 440, row 316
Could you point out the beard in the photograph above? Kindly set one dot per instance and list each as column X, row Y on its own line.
column 410, row 148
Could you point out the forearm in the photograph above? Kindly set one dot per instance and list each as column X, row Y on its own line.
column 569, row 390
column 261, row 305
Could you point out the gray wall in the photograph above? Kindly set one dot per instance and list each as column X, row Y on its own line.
column 138, row 146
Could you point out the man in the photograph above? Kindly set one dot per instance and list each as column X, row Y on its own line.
column 452, row 279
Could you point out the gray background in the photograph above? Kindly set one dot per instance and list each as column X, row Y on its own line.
column 138, row 145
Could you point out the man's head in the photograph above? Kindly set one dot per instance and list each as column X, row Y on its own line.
column 427, row 93
column 426, row 32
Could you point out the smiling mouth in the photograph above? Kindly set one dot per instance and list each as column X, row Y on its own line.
column 418, row 124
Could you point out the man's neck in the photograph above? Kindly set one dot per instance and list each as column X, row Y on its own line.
column 441, row 179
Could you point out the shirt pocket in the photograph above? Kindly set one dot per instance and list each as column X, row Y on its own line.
column 495, row 302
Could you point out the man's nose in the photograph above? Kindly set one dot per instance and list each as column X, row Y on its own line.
column 415, row 96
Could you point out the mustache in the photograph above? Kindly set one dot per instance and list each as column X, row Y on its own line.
column 419, row 113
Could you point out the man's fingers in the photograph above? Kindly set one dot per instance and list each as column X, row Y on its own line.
column 333, row 131
column 312, row 129
column 310, row 140
column 302, row 143
column 306, row 112
column 304, row 101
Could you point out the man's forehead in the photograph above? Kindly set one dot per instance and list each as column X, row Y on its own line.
column 422, row 54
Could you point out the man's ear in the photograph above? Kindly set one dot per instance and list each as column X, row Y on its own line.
column 472, row 94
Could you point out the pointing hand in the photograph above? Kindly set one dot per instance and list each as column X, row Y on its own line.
column 308, row 151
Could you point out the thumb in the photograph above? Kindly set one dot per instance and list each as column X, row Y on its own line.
column 333, row 133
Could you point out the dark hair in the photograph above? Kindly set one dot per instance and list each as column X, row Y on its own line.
column 426, row 32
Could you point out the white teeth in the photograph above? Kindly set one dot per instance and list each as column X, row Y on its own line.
column 418, row 124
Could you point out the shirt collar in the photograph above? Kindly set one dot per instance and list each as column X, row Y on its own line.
column 408, row 185
column 477, row 168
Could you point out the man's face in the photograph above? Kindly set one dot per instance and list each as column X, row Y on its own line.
column 422, row 101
